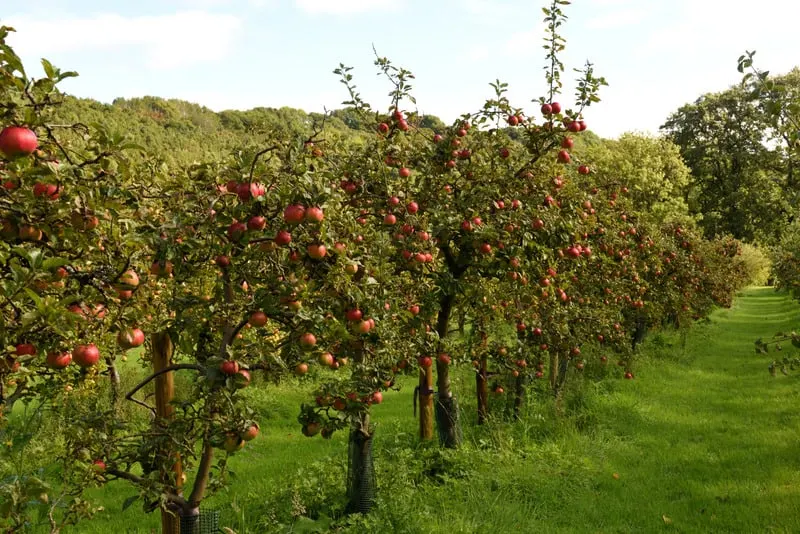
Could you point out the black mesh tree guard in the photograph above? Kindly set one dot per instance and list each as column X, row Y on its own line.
column 361, row 482
column 206, row 522
column 448, row 422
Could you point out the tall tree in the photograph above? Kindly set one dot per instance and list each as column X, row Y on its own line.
column 738, row 174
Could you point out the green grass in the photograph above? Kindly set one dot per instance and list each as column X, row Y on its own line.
column 703, row 440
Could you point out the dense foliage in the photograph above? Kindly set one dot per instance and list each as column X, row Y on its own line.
column 234, row 246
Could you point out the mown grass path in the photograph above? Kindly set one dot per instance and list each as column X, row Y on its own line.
column 707, row 442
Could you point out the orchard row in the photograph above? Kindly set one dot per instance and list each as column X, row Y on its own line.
column 300, row 256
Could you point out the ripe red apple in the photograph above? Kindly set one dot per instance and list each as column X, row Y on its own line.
column 128, row 280
column 362, row 327
column 317, row 251
column 556, row 108
column 563, row 156
column 315, row 214
column 251, row 433
column 383, row 128
column 99, row 466
column 326, row 358
column 132, row 338
column 301, row 368
column 504, row 153
column 513, row 120
column 444, row 359
column 486, row 248
column 425, row 361
column 257, row 319
column 404, row 172
column 236, row 231
column 547, row 109
column 257, row 223
column 86, row 355
column 229, row 367
column 308, row 340
column 354, row 315
column 567, row 143
column 58, row 360
column 437, row 138
column 25, row 349
column 49, row 191
column 583, row 169
column 294, row 214
column 412, row 207
column 283, row 238
column 17, row 141
column 390, row 219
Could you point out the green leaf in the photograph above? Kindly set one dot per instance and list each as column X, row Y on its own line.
column 48, row 68
column 129, row 501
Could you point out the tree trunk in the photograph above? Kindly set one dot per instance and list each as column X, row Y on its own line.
column 447, row 411
column 554, row 371
column 519, row 395
column 482, row 388
column 165, row 391
column 426, row 403
column 361, row 481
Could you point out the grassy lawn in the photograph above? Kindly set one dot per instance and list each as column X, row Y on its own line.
column 703, row 440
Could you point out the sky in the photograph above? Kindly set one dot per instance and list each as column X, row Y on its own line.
column 238, row 54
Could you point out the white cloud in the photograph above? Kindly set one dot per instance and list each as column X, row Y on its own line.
column 617, row 19
column 477, row 52
column 341, row 7
column 168, row 41
column 524, row 43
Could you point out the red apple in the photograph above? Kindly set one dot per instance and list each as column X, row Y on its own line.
column 258, row 319
column 129, row 339
column 257, row 223
column 59, row 360
column 308, row 340
column 17, row 141
column 317, row 251
column 229, row 367
column 236, row 231
column 86, row 355
column 326, row 358
column 283, row 238
column 25, row 349
column 301, row 368
column 404, row 172
column 49, row 191
column 315, row 214
column 294, row 214
column 354, row 315
column 563, row 156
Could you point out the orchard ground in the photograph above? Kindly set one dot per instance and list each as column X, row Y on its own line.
column 703, row 440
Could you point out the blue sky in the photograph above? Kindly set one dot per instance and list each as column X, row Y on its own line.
column 655, row 54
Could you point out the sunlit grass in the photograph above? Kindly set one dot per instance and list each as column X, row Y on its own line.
column 703, row 440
